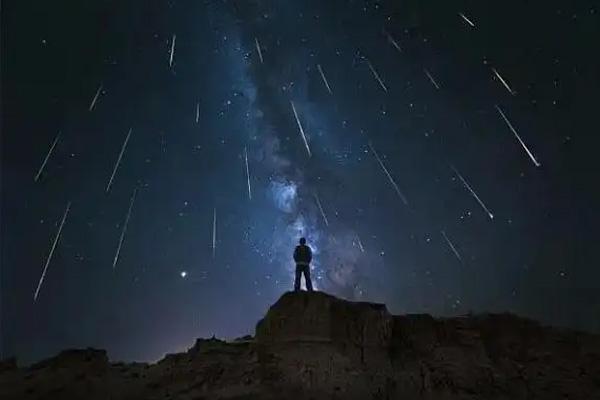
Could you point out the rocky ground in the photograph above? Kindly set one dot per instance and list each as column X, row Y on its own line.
column 315, row 346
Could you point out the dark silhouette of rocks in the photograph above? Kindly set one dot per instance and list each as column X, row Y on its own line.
column 8, row 365
column 316, row 346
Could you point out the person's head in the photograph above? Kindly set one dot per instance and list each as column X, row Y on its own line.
column 302, row 241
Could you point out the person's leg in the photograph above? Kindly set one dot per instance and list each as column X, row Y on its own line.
column 297, row 280
column 307, row 278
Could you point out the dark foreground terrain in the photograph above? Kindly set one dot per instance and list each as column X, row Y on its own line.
column 315, row 346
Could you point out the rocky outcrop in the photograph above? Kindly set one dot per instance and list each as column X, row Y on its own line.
column 316, row 346
column 314, row 317
column 8, row 365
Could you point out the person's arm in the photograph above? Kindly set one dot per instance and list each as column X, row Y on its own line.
column 309, row 254
column 296, row 254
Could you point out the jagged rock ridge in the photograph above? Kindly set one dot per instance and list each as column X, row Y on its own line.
column 315, row 346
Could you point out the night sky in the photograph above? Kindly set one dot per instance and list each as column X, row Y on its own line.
column 412, row 187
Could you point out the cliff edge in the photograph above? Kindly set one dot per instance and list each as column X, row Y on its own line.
column 316, row 346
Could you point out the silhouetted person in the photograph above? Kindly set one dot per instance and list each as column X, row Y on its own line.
column 303, row 257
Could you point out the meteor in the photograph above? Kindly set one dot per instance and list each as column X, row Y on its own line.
column 467, row 20
column 389, row 176
column 248, row 173
column 360, row 245
column 258, row 50
column 321, row 209
column 431, row 79
column 489, row 213
column 47, row 263
column 214, row 233
column 506, row 85
column 376, row 75
column 451, row 246
column 394, row 43
column 124, row 230
column 512, row 128
column 110, row 181
column 197, row 112
column 172, row 51
column 324, row 78
column 301, row 129
column 37, row 176
column 95, row 98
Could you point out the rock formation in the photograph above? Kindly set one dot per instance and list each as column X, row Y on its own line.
column 316, row 346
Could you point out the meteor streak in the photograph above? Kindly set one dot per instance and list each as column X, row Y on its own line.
column 431, row 79
column 301, row 129
column 512, row 128
column 467, row 20
column 451, row 246
column 214, row 233
column 248, row 173
column 172, row 51
column 394, row 43
column 110, row 181
column 489, row 213
column 37, row 176
column 506, row 85
column 197, row 112
column 376, row 75
column 321, row 209
column 389, row 176
column 259, row 51
column 360, row 245
column 62, row 223
column 324, row 78
column 95, row 98
column 124, row 230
